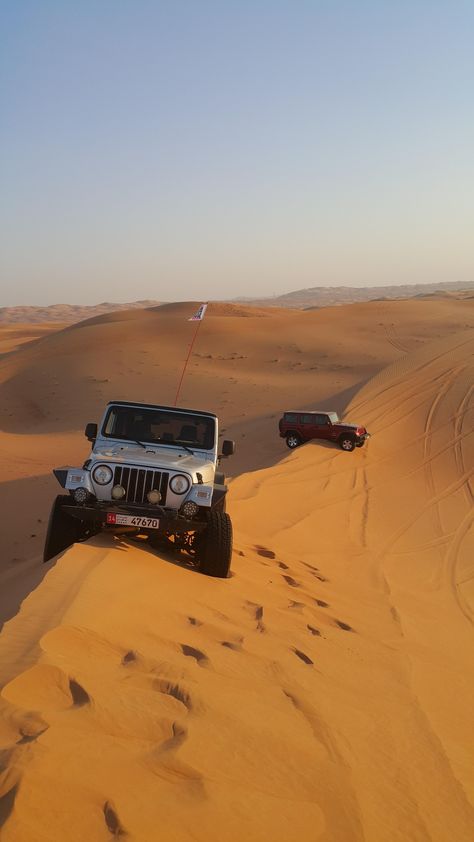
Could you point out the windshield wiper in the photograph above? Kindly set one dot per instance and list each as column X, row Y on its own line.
column 180, row 443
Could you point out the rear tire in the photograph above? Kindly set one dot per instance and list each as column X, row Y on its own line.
column 215, row 551
column 293, row 440
column 63, row 530
column 347, row 443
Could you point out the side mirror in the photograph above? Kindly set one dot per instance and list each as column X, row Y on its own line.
column 228, row 447
column 91, row 432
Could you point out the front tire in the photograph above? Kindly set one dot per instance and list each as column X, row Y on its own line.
column 215, row 551
column 63, row 530
column 347, row 443
column 293, row 440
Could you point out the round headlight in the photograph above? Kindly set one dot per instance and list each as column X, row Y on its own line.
column 179, row 484
column 102, row 474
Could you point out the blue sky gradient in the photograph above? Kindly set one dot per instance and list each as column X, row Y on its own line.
column 176, row 150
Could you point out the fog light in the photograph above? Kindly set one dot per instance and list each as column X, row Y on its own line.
column 81, row 495
column 153, row 496
column 190, row 509
column 118, row 491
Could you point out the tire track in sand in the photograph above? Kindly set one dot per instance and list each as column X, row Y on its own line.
column 452, row 563
column 451, row 378
column 459, row 417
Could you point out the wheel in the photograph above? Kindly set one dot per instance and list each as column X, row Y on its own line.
column 359, row 444
column 215, row 550
column 63, row 530
column 347, row 442
column 293, row 440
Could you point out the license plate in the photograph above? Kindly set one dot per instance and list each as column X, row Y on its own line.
column 132, row 520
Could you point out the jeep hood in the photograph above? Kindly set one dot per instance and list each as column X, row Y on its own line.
column 155, row 457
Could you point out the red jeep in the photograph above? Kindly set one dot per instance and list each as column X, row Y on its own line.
column 297, row 427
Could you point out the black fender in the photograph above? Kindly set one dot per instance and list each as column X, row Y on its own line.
column 61, row 476
column 218, row 494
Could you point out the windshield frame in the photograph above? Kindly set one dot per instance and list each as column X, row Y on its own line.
column 178, row 416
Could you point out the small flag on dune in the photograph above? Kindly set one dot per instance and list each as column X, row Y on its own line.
column 199, row 314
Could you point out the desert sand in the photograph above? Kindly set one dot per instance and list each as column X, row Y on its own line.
column 324, row 691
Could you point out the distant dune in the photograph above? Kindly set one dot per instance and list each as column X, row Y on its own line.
column 65, row 313
column 12, row 336
column 324, row 692
column 299, row 299
column 328, row 296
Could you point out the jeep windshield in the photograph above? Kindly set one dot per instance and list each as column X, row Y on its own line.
column 160, row 426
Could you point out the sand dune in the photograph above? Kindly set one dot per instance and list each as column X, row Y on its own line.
column 64, row 313
column 247, row 365
column 323, row 296
column 13, row 336
column 321, row 693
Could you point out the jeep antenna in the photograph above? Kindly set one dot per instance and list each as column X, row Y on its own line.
column 197, row 317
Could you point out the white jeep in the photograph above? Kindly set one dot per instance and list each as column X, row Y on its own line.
column 152, row 471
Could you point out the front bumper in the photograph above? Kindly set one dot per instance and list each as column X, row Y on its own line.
column 97, row 512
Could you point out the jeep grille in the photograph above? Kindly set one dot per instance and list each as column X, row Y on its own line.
column 139, row 481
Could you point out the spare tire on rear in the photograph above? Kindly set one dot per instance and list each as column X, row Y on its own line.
column 215, row 545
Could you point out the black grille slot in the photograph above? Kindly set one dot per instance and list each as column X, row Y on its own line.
column 139, row 481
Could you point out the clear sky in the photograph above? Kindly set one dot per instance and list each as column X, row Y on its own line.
column 215, row 148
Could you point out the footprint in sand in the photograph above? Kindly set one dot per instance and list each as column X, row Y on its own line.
column 310, row 566
column 30, row 727
column 301, row 655
column 192, row 652
column 130, row 657
column 313, row 630
column 321, row 603
column 112, row 820
column 263, row 551
column 290, row 581
column 257, row 614
column 293, row 604
column 344, row 626
column 193, row 621
column 178, row 736
column 7, row 803
column 283, row 565
column 174, row 689
column 79, row 696
column 45, row 687
column 236, row 646
column 315, row 572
